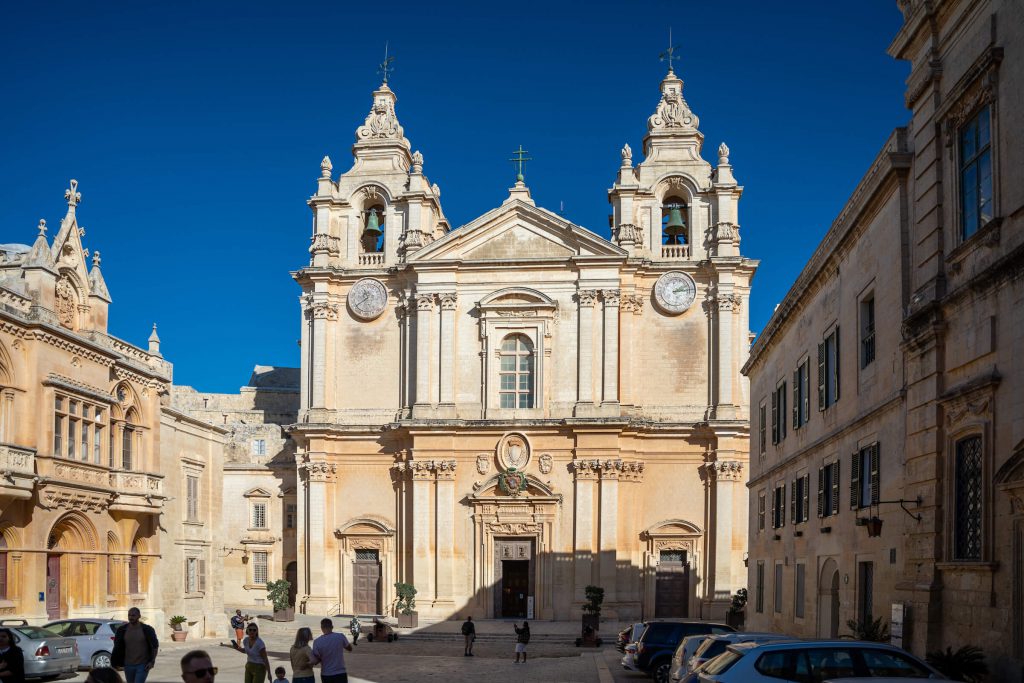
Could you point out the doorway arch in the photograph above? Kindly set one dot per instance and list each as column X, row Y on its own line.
column 828, row 600
column 70, row 577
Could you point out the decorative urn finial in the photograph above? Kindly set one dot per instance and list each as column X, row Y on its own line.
column 417, row 162
column 627, row 155
column 723, row 154
column 326, row 167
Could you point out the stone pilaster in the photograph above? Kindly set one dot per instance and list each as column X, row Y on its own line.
column 321, row 591
column 585, row 370
column 422, row 491
column 444, row 600
column 321, row 312
column 586, row 475
column 726, row 479
column 449, row 301
column 424, row 316
column 610, row 383
column 608, row 536
column 631, row 306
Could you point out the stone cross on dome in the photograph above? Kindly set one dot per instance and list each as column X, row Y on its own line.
column 519, row 159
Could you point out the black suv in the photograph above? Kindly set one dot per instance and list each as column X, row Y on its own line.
column 660, row 639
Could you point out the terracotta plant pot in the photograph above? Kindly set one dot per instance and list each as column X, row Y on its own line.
column 408, row 620
column 179, row 636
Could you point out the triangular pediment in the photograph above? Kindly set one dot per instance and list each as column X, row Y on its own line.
column 518, row 231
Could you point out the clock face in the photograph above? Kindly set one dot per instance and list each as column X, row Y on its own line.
column 674, row 292
column 367, row 298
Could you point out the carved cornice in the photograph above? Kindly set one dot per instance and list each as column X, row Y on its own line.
column 587, row 297
column 612, row 469
column 514, row 528
column 427, row 469
column 611, row 297
column 318, row 470
column 725, row 470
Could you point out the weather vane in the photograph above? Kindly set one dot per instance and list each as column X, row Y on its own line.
column 669, row 55
column 385, row 67
column 519, row 158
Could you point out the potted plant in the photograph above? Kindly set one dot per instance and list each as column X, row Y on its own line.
column 965, row 664
column 737, row 610
column 591, row 617
column 405, row 605
column 875, row 631
column 279, row 594
column 178, row 632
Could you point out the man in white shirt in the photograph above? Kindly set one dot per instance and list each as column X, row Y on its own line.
column 329, row 653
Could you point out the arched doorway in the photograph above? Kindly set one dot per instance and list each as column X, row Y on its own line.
column 70, row 577
column 828, row 600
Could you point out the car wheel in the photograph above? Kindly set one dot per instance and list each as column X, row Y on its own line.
column 661, row 672
column 101, row 660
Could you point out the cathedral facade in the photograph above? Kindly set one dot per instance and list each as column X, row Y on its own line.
column 500, row 414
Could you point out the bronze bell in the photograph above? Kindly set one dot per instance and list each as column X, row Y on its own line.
column 676, row 225
column 372, row 225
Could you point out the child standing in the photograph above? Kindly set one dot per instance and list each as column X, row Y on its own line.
column 279, row 673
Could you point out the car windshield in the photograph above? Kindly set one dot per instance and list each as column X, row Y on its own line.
column 711, row 648
column 36, row 633
column 721, row 663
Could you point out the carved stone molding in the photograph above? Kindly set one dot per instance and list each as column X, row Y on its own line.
column 587, row 297
column 424, row 302
column 322, row 243
column 67, row 499
column 544, row 463
column 725, row 470
column 627, row 233
column 318, row 470
column 632, row 303
column 672, row 111
column 448, row 300
column 611, row 297
column 381, row 123
column 514, row 528
column 592, row 468
column 428, row 469
column 483, row 463
column 324, row 310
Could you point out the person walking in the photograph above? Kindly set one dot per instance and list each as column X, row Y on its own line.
column 299, row 654
column 522, row 638
column 135, row 648
column 197, row 667
column 12, row 659
column 257, row 665
column 329, row 653
column 469, row 634
column 355, row 627
column 238, row 624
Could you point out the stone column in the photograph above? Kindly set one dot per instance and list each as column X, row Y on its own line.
column 609, row 529
column 446, row 348
column 321, row 588
column 728, row 373
column 610, row 384
column 726, row 478
column 323, row 311
column 424, row 313
column 583, row 519
column 631, row 303
column 585, row 371
column 445, row 536
column 422, row 558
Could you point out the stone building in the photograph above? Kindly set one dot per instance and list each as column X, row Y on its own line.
column 911, row 311
column 497, row 414
column 256, row 533
column 83, row 480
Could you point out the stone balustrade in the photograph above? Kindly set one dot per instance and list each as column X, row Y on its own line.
column 371, row 259
column 137, row 483
column 675, row 252
column 17, row 471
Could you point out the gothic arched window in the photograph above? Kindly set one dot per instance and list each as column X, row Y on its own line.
column 516, row 374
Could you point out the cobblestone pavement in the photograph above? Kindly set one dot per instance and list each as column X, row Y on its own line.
column 433, row 652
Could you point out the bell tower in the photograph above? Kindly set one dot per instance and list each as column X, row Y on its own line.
column 383, row 207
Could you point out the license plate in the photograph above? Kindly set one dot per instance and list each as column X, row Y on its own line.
column 63, row 651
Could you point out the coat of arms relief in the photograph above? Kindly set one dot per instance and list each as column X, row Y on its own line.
column 513, row 457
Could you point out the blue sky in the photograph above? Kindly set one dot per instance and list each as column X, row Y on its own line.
column 196, row 129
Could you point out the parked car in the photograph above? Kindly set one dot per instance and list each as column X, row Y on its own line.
column 716, row 645
column 47, row 655
column 659, row 641
column 628, row 635
column 683, row 653
column 812, row 661
column 95, row 638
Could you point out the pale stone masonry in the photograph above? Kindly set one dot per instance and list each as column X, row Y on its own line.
column 933, row 238
column 505, row 413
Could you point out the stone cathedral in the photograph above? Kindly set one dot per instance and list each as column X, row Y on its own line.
column 504, row 413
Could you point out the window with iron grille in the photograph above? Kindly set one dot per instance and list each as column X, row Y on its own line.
column 778, row 589
column 259, row 515
column 828, row 370
column 867, row 331
column 801, row 587
column 367, row 555
column 865, row 590
column 968, row 499
column 259, row 567
column 759, row 603
column 976, row 207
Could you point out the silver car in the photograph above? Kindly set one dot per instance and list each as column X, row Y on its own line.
column 47, row 655
column 95, row 638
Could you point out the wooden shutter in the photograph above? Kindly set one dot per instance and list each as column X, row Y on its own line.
column 782, row 411
column 805, row 390
column 855, row 475
column 835, row 487
column 202, row 575
column 775, row 417
column 3, row 575
column 807, row 498
column 835, row 365
column 792, row 502
column 821, row 376
column 821, row 491
column 782, row 505
column 185, row 575
column 875, row 472
column 796, row 400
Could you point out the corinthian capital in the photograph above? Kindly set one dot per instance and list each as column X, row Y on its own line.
column 448, row 300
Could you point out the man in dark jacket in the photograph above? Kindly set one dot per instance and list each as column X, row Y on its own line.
column 135, row 648
column 469, row 633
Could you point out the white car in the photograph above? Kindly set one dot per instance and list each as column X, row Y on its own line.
column 812, row 661
column 712, row 646
column 683, row 653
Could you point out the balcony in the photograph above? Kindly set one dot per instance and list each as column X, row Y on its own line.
column 137, row 492
column 98, row 487
column 675, row 252
column 17, row 472
column 373, row 258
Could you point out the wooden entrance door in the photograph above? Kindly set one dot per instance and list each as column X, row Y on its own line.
column 366, row 582
column 515, row 586
column 291, row 575
column 53, row 587
column 672, row 585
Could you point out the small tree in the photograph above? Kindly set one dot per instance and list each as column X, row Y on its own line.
column 595, row 596
column 876, row 631
column 739, row 601
column 279, row 593
column 406, row 602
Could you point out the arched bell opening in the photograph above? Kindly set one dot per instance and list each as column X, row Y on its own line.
column 675, row 221
column 372, row 238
